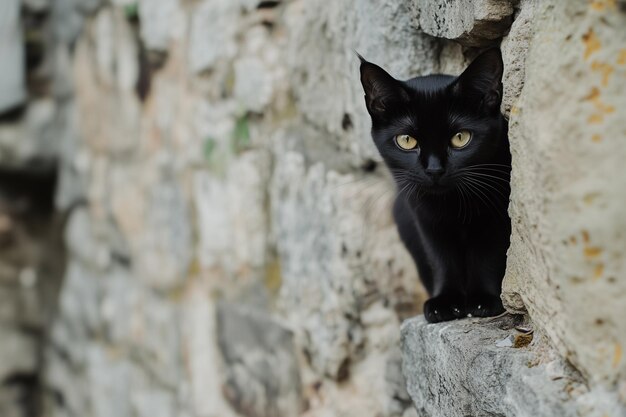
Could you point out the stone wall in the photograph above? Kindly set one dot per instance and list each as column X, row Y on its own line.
column 237, row 255
column 230, row 250
column 35, row 117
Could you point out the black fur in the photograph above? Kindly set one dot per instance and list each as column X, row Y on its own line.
column 451, row 206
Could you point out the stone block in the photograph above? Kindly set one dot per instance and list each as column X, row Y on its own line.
column 262, row 370
column 467, row 368
column 12, row 81
column 566, row 129
column 471, row 23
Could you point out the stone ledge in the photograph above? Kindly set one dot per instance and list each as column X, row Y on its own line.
column 464, row 368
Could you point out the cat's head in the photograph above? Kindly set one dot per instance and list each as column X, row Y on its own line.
column 430, row 130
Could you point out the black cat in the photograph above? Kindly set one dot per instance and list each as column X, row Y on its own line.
column 446, row 144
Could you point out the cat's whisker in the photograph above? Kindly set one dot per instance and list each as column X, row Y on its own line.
column 487, row 177
column 499, row 185
column 488, row 184
column 369, row 180
column 371, row 202
column 500, row 171
column 404, row 188
column 479, row 194
column 493, row 186
column 460, row 201
column 467, row 207
column 478, row 187
column 489, row 165
column 358, row 190
column 415, row 194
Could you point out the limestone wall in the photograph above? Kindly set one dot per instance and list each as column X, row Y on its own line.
column 230, row 246
column 237, row 255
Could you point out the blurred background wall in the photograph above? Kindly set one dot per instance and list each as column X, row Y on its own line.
column 194, row 221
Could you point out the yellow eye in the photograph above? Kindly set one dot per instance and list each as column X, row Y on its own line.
column 406, row 142
column 461, row 139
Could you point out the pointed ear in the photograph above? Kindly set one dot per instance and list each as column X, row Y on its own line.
column 481, row 82
column 382, row 91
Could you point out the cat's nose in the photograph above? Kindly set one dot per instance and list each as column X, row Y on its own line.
column 435, row 173
column 434, row 168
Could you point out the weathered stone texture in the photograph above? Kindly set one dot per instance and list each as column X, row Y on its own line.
column 469, row 22
column 567, row 207
column 467, row 367
column 222, row 184
column 12, row 83
column 322, row 59
column 263, row 378
column 231, row 250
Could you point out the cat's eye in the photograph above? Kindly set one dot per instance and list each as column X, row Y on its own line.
column 460, row 139
column 406, row 142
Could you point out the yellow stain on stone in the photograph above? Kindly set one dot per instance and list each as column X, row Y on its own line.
column 598, row 271
column 621, row 58
column 515, row 110
column 273, row 276
column 617, row 355
column 589, row 198
column 601, row 5
column 522, row 340
column 585, row 236
column 601, row 107
column 594, row 94
column 592, row 43
column 606, row 108
column 592, row 251
column 604, row 69
column 594, row 97
column 194, row 268
column 596, row 138
column 595, row 119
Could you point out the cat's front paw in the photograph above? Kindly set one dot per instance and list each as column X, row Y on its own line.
column 444, row 307
column 484, row 305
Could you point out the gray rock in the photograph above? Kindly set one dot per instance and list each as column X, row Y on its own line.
column 456, row 369
column 12, row 83
column 399, row 400
column 37, row 5
column 471, row 23
column 67, row 20
column 324, row 70
column 212, row 33
column 157, row 20
column 514, row 49
column 18, row 354
column 352, row 260
column 568, row 185
column 108, row 382
column 163, row 250
column 262, row 373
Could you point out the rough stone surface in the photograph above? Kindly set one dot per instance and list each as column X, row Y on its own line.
column 471, row 23
column 200, row 194
column 12, row 83
column 466, row 368
column 230, row 249
column 263, row 378
column 567, row 200
column 158, row 23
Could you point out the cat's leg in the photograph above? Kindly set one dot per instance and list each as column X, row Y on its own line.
column 447, row 300
column 407, row 229
column 438, row 260
column 486, row 262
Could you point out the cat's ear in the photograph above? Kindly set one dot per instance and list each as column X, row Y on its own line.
column 382, row 91
column 481, row 82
